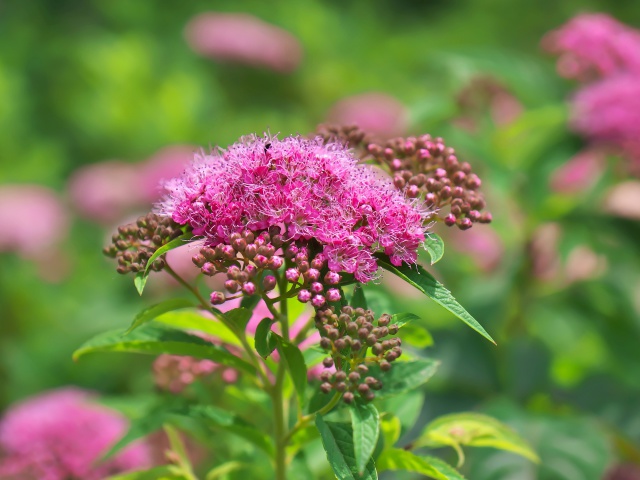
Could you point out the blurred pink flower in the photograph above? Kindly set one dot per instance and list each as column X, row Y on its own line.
column 60, row 435
column 579, row 173
column 104, row 192
column 483, row 245
column 623, row 200
column 544, row 252
column 34, row 219
column 376, row 113
column 243, row 38
column 594, row 46
column 163, row 165
column 584, row 264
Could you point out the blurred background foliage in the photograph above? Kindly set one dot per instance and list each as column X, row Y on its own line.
column 82, row 82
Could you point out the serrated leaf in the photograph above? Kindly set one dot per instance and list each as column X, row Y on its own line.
column 155, row 339
column 401, row 319
column 140, row 279
column 230, row 422
column 474, row 430
column 398, row 459
column 427, row 284
column 365, row 422
column 296, row 366
column 435, row 246
column 264, row 338
column 194, row 320
column 158, row 309
column 390, row 427
column 337, row 440
column 166, row 472
column 239, row 317
column 403, row 376
column 358, row 299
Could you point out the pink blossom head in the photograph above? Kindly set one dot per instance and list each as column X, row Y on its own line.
column 62, row 434
column 623, row 200
column 34, row 217
column 594, row 46
column 609, row 111
column 316, row 192
column 245, row 39
column 377, row 113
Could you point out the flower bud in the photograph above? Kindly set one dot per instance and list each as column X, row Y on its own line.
column 232, row 286
column 318, row 301
column 304, row 296
column 385, row 366
column 354, row 377
column 340, row 344
column 317, row 287
column 333, row 295
column 311, row 275
column 249, row 288
column 325, row 387
column 217, row 298
column 269, row 283
column 465, row 224
column 251, row 250
column 325, row 343
column 198, row 260
column 275, row 262
column 260, row 261
column 327, row 362
column 348, row 398
column 332, row 278
column 209, row 269
column 450, row 220
column 239, row 244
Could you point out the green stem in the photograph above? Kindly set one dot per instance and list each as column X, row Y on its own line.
column 280, row 426
column 307, row 419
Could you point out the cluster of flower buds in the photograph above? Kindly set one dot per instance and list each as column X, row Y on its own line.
column 355, row 339
column 245, row 260
column 425, row 167
column 315, row 283
column 135, row 243
column 174, row 372
column 350, row 135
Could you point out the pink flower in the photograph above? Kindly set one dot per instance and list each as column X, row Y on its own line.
column 594, row 46
column 579, row 173
column 483, row 245
column 105, row 191
column 34, row 219
column 377, row 113
column 243, row 38
column 62, row 434
column 318, row 192
column 623, row 200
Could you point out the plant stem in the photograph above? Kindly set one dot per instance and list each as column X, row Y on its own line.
column 279, row 423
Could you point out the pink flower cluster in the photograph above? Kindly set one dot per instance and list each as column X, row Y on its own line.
column 61, row 435
column 605, row 54
column 316, row 192
column 594, row 46
column 243, row 38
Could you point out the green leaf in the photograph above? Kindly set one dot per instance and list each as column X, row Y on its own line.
column 222, row 470
column 140, row 279
column 398, row 459
column 158, row 309
column 474, row 430
column 424, row 281
column 296, row 366
column 265, row 339
column 337, row 440
column 239, row 317
column 435, row 246
column 391, row 428
column 178, row 448
column 358, row 299
column 365, row 422
column 195, row 320
column 230, row 422
column 155, row 339
column 250, row 301
column 403, row 376
column 166, row 472
column 401, row 319
column 417, row 336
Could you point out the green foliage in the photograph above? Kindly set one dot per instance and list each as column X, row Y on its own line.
column 397, row 459
column 153, row 339
column 158, row 309
column 337, row 440
column 140, row 279
column 435, row 246
column 166, row 472
column 365, row 422
column 424, row 281
column 404, row 376
column 265, row 339
column 292, row 356
column 358, row 299
column 473, row 430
